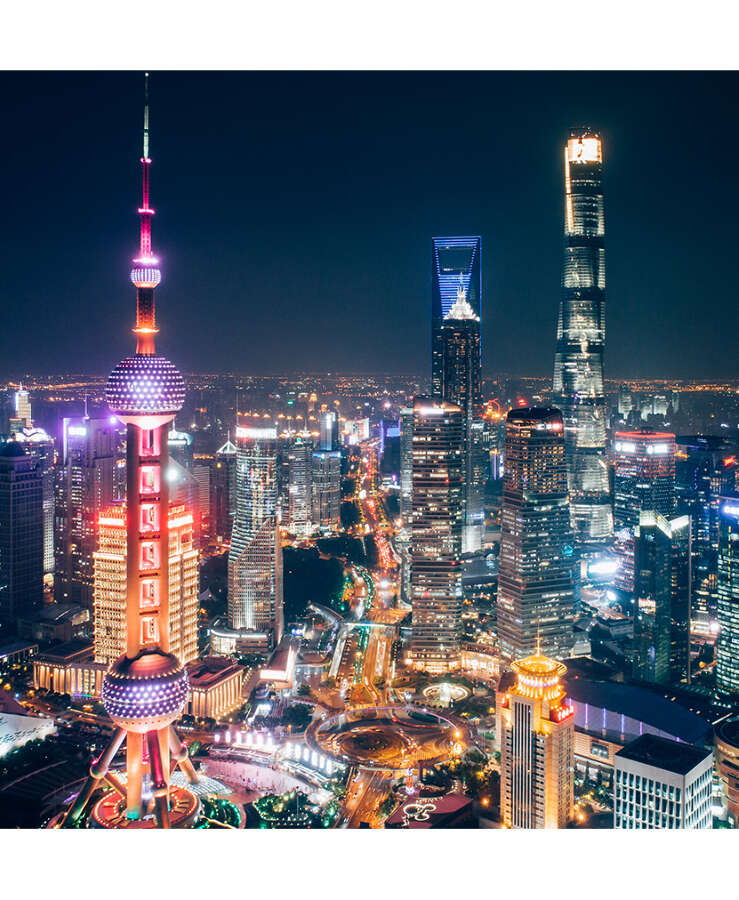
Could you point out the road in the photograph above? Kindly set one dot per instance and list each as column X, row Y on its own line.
column 364, row 795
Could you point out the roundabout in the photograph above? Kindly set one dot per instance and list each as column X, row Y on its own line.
column 391, row 737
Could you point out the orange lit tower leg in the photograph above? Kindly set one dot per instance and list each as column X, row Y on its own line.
column 145, row 690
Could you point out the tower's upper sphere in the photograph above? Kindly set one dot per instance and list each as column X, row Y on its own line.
column 143, row 385
column 146, row 692
column 145, row 276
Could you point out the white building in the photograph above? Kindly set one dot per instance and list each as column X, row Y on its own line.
column 662, row 784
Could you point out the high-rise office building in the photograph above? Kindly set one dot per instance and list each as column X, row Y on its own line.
column 255, row 555
column 41, row 445
column 727, row 648
column 329, row 431
column 326, row 488
column 84, row 489
column 21, row 532
column 146, row 688
column 535, row 723
column 23, row 407
column 643, row 475
column 223, row 492
column 581, row 329
column 300, row 495
column 436, row 534
column 406, row 463
column 455, row 262
column 110, row 585
column 705, row 470
column 659, row 783
column 625, row 401
column 661, row 599
column 535, row 575
column 461, row 385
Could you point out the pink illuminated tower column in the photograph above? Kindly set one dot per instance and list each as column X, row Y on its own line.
column 145, row 690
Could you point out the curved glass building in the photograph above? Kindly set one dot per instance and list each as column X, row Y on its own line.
column 578, row 362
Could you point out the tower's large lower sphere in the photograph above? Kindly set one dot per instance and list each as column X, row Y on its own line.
column 144, row 385
column 147, row 692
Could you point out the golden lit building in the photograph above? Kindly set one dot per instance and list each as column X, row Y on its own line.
column 110, row 586
column 215, row 687
column 535, row 725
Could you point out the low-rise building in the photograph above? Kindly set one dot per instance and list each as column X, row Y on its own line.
column 216, row 685
column 69, row 668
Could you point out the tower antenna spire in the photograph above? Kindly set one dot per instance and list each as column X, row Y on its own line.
column 145, row 274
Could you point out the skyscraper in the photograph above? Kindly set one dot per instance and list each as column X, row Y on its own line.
column 461, row 385
column 535, row 575
column 643, row 476
column 329, row 431
column 145, row 689
column 223, row 492
column 705, row 470
column 326, row 488
column 455, row 261
column 21, row 532
column 535, row 722
column 727, row 648
column 581, row 324
column 84, row 490
column 23, row 406
column 436, row 535
column 110, row 585
column 255, row 556
column 661, row 598
column 300, row 495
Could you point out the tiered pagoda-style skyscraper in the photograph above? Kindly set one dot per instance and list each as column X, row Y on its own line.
column 581, row 329
column 146, row 688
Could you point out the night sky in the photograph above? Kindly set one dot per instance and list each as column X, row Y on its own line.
column 295, row 213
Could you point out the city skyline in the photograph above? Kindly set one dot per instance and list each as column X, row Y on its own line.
column 273, row 217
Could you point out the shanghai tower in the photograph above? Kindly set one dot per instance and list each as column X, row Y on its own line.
column 578, row 362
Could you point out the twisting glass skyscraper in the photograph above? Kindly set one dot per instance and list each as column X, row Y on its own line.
column 578, row 362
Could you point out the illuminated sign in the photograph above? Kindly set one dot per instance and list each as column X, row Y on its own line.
column 658, row 449
column 730, row 509
column 257, row 434
column 77, row 430
column 584, row 150
column 418, row 811
column 625, row 447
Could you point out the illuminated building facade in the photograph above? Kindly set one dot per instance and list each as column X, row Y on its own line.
column 535, row 723
column 727, row 648
column 23, row 407
column 255, row 555
column 660, row 783
column 581, row 324
column 455, row 262
column 326, row 488
column 85, row 488
column 21, row 532
column 223, row 492
column 329, row 431
column 644, row 475
column 436, row 535
column 145, row 690
column 406, row 463
column 705, row 470
column 300, row 494
column 461, row 385
column 661, row 598
column 535, row 575
column 38, row 442
column 110, row 585
column 727, row 764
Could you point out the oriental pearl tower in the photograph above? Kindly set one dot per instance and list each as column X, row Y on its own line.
column 145, row 689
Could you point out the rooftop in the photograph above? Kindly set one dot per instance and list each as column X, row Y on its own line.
column 673, row 756
column 68, row 651
column 209, row 671
column 640, row 704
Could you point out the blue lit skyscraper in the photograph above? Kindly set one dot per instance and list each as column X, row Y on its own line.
column 455, row 261
column 578, row 362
